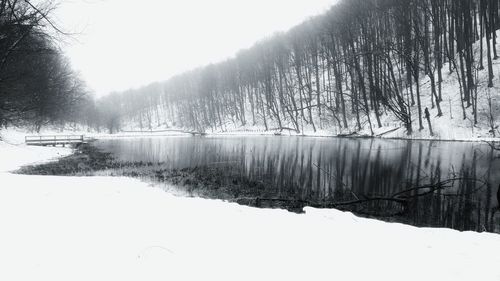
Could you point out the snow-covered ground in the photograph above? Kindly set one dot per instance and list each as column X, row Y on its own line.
column 17, row 135
column 103, row 228
column 392, row 132
column 12, row 155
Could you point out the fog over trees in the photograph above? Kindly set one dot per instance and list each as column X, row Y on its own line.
column 344, row 69
column 37, row 84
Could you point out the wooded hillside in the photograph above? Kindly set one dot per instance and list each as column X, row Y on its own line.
column 360, row 64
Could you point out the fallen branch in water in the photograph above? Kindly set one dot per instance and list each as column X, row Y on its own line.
column 402, row 197
column 494, row 145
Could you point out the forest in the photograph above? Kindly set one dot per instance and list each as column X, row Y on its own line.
column 353, row 68
column 37, row 84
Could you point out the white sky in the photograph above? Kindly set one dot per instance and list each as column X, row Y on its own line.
column 124, row 44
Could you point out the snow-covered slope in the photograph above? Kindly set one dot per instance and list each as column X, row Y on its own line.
column 451, row 126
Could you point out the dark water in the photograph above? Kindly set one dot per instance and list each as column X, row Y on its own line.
column 345, row 170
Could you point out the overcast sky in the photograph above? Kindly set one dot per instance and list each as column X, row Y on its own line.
column 124, row 44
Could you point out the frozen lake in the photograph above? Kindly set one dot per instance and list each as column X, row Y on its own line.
column 396, row 180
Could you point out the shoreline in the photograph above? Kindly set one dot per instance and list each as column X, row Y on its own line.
column 223, row 182
column 16, row 136
column 272, row 134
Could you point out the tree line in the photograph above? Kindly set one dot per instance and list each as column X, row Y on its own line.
column 345, row 69
column 37, row 85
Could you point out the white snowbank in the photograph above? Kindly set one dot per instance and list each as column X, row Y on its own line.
column 102, row 228
column 14, row 153
column 446, row 128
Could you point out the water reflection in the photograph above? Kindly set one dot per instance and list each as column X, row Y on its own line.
column 340, row 170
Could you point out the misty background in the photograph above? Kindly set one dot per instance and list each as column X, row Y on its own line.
column 119, row 44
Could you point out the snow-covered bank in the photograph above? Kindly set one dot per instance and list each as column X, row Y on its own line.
column 14, row 153
column 446, row 129
column 446, row 132
column 17, row 135
column 56, row 228
column 101, row 228
column 383, row 133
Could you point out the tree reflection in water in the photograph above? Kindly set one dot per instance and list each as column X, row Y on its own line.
column 331, row 170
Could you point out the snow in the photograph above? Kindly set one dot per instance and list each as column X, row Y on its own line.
column 104, row 228
column 14, row 153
